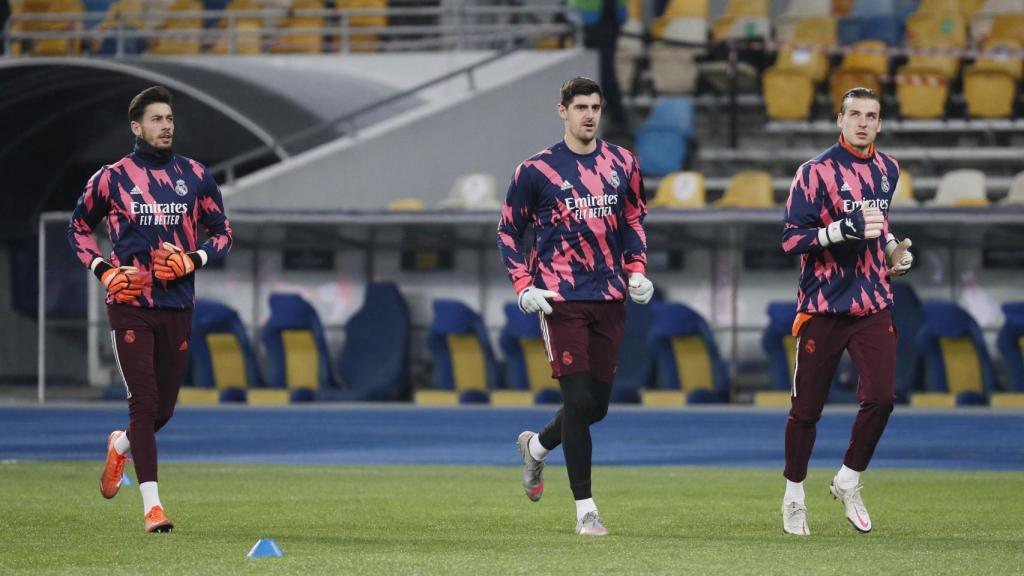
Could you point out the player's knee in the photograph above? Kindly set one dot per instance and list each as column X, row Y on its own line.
column 600, row 410
column 582, row 407
column 884, row 405
column 804, row 418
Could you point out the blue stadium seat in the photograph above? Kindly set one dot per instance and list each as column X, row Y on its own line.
column 297, row 355
column 908, row 316
column 1011, row 345
column 686, row 356
column 222, row 356
column 636, row 358
column 374, row 361
column 887, row 28
column 956, row 360
column 463, row 359
column 779, row 344
column 660, row 149
column 675, row 111
column 526, row 359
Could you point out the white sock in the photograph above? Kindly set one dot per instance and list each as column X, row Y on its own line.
column 121, row 445
column 847, row 478
column 150, row 496
column 584, row 507
column 536, row 450
column 794, row 492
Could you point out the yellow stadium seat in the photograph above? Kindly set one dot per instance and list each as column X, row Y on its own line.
column 673, row 68
column 843, row 80
column 998, row 58
column 867, row 56
column 963, row 367
column 184, row 44
column 938, row 7
column 936, row 31
column 302, row 360
column 247, row 30
column 797, row 11
column 693, row 363
column 362, row 42
column 968, row 8
column 301, row 43
column 406, row 205
column 961, row 188
column 989, row 93
column 742, row 19
column 749, row 189
column 1008, row 27
column 680, row 190
column 921, row 93
column 811, row 38
column 788, row 93
column 48, row 46
column 904, row 193
column 468, row 364
column 228, row 361
column 686, row 9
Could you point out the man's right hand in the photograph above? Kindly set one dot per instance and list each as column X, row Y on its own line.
column 124, row 283
column 862, row 224
column 533, row 300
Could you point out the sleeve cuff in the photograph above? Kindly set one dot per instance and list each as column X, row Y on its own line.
column 198, row 258
column 522, row 284
column 636, row 267
column 99, row 267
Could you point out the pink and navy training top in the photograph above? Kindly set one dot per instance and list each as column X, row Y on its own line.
column 147, row 203
column 587, row 212
column 849, row 277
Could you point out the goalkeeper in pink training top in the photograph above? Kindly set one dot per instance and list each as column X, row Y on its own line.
column 154, row 201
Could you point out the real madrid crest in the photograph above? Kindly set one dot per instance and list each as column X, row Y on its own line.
column 180, row 189
column 885, row 183
column 613, row 177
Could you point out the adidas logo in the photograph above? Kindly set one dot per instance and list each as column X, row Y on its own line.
column 136, row 191
column 566, row 185
column 845, row 188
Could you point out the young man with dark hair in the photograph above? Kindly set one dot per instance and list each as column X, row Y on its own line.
column 154, row 201
column 836, row 219
column 585, row 199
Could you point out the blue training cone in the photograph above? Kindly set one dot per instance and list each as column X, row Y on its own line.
column 266, row 548
column 126, row 480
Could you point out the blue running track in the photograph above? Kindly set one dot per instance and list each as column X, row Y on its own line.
column 378, row 434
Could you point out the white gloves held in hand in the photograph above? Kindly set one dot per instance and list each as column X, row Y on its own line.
column 533, row 300
column 898, row 255
column 640, row 288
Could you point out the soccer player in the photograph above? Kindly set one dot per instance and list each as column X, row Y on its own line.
column 154, row 201
column 836, row 219
column 584, row 198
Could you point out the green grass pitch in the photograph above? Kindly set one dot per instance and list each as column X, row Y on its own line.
column 475, row 520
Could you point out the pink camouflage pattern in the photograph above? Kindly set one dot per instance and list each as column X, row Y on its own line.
column 146, row 205
column 587, row 212
column 849, row 277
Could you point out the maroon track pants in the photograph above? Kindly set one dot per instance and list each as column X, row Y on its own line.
column 151, row 350
column 871, row 341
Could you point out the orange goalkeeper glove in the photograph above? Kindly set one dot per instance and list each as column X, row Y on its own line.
column 124, row 283
column 171, row 262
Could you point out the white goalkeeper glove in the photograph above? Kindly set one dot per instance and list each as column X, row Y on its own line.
column 898, row 255
column 640, row 288
column 864, row 223
column 533, row 300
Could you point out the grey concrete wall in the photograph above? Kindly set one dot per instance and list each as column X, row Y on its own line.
column 508, row 117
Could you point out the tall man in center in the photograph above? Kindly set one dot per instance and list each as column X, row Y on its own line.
column 585, row 200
